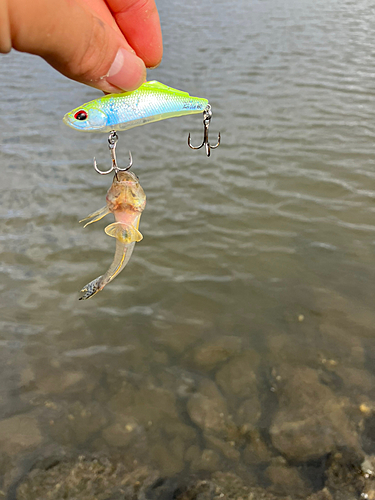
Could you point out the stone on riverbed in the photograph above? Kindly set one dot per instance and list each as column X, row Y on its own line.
column 285, row 480
column 208, row 410
column 209, row 354
column 256, row 451
column 347, row 476
column 310, row 421
column 19, row 434
column 237, row 377
column 224, row 486
column 144, row 404
column 74, row 423
column 249, row 411
column 104, row 479
column 121, row 432
column 86, row 479
column 206, row 460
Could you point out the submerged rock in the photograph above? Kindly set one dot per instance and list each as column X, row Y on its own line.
column 287, row 480
column 74, row 423
column 344, row 476
column 227, row 448
column 256, row 451
column 356, row 380
column 323, row 494
column 224, row 486
column 368, row 478
column 347, row 477
column 50, row 379
column 310, row 421
column 19, row 434
column 249, row 411
column 121, row 432
column 169, row 457
column 106, row 479
column 87, row 479
column 237, row 377
column 206, row 460
column 339, row 343
column 208, row 409
column 144, row 404
column 209, row 354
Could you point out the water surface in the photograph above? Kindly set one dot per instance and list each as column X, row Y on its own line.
column 266, row 247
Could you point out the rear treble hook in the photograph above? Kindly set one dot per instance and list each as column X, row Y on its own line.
column 112, row 142
column 207, row 115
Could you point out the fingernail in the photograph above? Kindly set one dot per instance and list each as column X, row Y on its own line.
column 154, row 67
column 127, row 72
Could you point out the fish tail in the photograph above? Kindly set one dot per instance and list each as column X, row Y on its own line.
column 91, row 288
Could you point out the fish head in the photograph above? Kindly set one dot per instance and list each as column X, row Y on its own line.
column 126, row 193
column 86, row 118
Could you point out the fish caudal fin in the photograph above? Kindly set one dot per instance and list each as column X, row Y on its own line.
column 91, row 289
column 95, row 216
column 126, row 233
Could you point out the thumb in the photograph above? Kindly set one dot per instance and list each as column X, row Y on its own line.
column 75, row 41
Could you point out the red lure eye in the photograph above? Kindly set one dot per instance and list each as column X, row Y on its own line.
column 81, row 115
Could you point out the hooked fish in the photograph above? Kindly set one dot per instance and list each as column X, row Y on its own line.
column 126, row 200
column 151, row 102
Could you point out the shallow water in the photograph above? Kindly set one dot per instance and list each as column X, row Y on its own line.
column 263, row 251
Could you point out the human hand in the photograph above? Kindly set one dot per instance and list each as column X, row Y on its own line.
column 105, row 44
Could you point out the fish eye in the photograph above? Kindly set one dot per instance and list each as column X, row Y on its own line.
column 81, row 115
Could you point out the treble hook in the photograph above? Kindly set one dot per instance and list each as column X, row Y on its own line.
column 112, row 142
column 207, row 115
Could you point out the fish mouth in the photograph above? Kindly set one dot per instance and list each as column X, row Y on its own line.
column 72, row 122
column 96, row 121
column 68, row 121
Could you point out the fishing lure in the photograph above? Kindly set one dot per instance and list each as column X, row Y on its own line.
column 126, row 200
column 151, row 102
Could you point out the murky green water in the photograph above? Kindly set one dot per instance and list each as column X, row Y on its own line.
column 257, row 264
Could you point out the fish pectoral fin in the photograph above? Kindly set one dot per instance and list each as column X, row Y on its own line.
column 95, row 216
column 126, row 233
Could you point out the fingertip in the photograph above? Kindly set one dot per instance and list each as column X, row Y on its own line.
column 139, row 22
column 127, row 71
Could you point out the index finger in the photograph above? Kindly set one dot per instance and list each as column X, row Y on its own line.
column 139, row 22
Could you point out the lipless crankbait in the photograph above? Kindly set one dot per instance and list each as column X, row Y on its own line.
column 126, row 200
column 151, row 102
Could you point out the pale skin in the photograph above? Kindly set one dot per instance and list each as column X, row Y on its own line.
column 106, row 44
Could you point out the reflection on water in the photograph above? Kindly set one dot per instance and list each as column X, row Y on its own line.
column 240, row 336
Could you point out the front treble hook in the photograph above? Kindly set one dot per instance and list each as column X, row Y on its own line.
column 207, row 115
column 112, row 142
